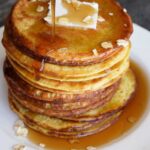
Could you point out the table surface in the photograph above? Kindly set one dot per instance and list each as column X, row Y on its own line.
column 138, row 9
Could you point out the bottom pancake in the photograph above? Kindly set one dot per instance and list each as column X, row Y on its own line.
column 64, row 134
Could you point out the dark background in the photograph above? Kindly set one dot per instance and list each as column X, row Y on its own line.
column 138, row 9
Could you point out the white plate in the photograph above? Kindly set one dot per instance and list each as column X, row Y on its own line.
column 138, row 139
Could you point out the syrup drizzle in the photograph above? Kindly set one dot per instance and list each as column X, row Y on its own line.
column 130, row 117
column 53, row 16
column 41, row 66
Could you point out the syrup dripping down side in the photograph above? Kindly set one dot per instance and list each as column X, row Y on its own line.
column 130, row 117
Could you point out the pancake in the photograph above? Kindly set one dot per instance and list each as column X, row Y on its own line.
column 32, row 36
column 62, row 125
column 66, row 112
column 67, row 109
column 38, row 123
column 63, row 73
column 68, row 105
column 73, row 87
column 118, row 101
column 95, row 129
column 96, row 110
column 77, row 129
column 19, row 86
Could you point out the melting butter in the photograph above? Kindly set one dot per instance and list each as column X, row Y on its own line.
column 74, row 13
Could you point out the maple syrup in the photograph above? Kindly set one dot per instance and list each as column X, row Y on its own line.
column 40, row 65
column 53, row 16
column 131, row 115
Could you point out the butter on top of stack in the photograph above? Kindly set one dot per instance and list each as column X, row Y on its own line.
column 76, row 83
column 74, row 13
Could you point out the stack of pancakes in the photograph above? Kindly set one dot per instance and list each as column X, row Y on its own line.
column 67, row 86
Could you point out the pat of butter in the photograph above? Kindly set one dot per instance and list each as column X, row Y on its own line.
column 74, row 13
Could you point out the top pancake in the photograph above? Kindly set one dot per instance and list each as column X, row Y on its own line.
column 32, row 35
column 63, row 73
